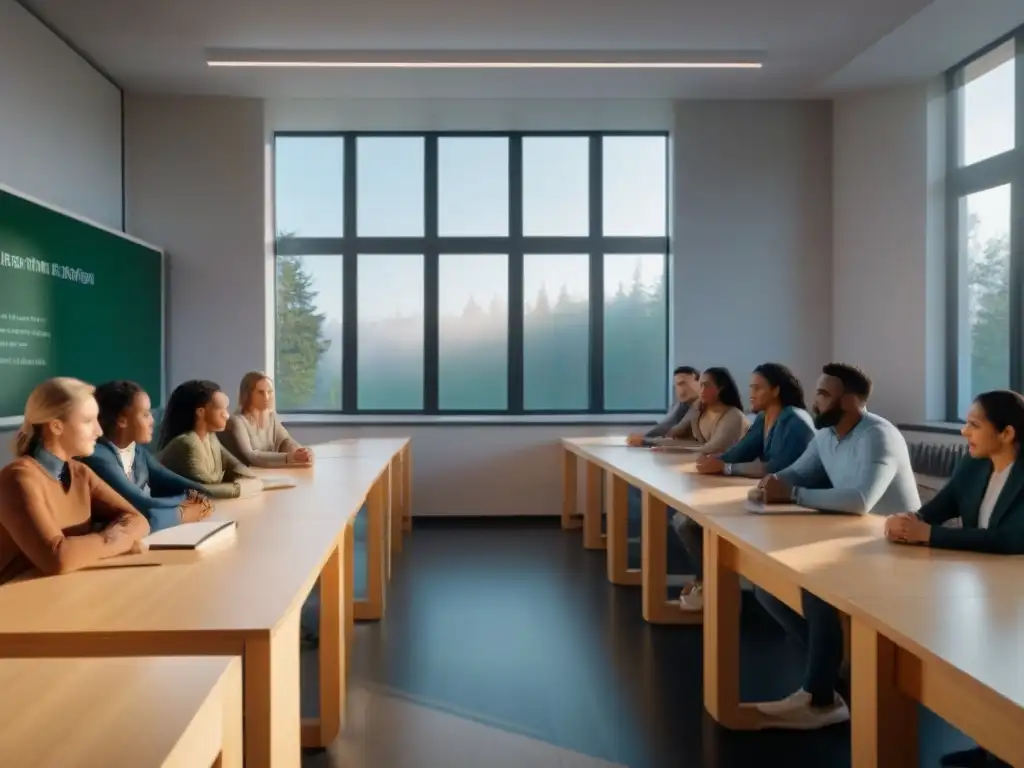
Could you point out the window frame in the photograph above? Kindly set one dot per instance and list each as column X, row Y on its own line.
column 515, row 245
column 962, row 181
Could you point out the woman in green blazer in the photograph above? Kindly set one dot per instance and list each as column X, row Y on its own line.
column 986, row 491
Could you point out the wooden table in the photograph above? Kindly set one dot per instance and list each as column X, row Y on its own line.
column 144, row 713
column 400, row 450
column 243, row 600
column 937, row 627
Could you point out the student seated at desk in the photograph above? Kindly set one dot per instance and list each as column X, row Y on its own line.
column 49, row 503
column 857, row 463
column 986, row 492
column 780, row 433
column 254, row 433
column 686, row 382
column 717, row 423
column 196, row 411
column 124, row 462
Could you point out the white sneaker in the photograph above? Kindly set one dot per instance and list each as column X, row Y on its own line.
column 692, row 600
column 795, row 712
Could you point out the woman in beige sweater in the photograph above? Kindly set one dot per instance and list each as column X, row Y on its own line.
column 254, row 433
column 717, row 424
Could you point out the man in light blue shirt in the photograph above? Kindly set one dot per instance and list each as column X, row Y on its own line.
column 857, row 463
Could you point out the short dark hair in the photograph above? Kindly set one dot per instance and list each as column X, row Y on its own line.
column 728, row 392
column 853, row 379
column 185, row 400
column 114, row 398
column 1004, row 408
column 686, row 370
column 791, row 391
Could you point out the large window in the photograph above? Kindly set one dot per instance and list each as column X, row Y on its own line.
column 471, row 273
column 985, row 204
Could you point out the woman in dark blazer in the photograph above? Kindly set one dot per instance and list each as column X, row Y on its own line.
column 986, row 491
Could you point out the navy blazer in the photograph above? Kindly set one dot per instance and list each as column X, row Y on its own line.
column 787, row 440
column 166, row 490
column 961, row 497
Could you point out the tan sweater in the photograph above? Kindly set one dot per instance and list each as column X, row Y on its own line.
column 43, row 526
column 206, row 461
column 713, row 435
column 266, row 446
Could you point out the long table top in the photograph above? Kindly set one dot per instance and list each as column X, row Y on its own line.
column 284, row 537
column 64, row 712
column 960, row 608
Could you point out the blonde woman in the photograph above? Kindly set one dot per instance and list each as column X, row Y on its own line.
column 48, row 502
column 254, row 433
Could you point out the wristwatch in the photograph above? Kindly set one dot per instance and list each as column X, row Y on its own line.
column 793, row 494
column 727, row 469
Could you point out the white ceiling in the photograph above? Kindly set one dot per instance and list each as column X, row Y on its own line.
column 810, row 45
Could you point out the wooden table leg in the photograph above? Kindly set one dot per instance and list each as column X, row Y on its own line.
column 322, row 731
column 397, row 501
column 349, row 586
column 372, row 608
column 232, row 753
column 884, row 720
column 407, row 488
column 389, row 520
column 657, row 608
column 617, row 500
column 593, row 538
column 722, row 596
column 273, row 735
column 569, row 501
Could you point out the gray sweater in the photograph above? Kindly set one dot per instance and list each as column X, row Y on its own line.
column 671, row 419
column 266, row 446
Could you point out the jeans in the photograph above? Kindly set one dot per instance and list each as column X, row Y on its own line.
column 820, row 631
column 681, row 560
column 692, row 536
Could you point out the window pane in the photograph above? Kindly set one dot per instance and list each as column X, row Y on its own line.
column 556, row 332
column 556, row 186
column 309, row 183
column 390, row 371
column 473, row 332
column 634, row 185
column 390, row 186
column 472, row 186
column 635, row 328
column 987, row 105
column 308, row 338
column 984, row 346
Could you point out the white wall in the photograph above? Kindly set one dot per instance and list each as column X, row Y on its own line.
column 888, row 310
column 753, row 235
column 194, row 178
column 60, row 122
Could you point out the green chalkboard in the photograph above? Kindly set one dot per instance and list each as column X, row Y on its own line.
column 76, row 299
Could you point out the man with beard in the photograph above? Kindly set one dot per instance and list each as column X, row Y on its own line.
column 857, row 463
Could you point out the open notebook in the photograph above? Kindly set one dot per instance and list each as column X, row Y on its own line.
column 760, row 508
column 192, row 536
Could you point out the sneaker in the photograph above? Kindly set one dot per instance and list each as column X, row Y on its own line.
column 796, row 712
column 692, row 599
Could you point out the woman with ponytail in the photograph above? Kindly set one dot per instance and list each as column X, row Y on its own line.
column 48, row 503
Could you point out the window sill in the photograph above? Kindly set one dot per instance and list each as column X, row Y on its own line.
column 522, row 420
column 933, row 427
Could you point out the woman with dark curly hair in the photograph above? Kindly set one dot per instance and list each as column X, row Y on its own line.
column 717, row 423
column 780, row 433
column 196, row 411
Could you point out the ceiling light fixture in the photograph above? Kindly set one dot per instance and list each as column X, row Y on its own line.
column 482, row 60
